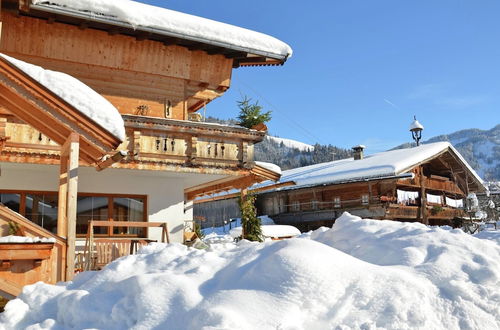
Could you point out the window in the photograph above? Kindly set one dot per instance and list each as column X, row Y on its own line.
column 91, row 208
column 11, row 200
column 365, row 200
column 295, row 206
column 128, row 209
column 41, row 208
column 315, row 205
column 336, row 202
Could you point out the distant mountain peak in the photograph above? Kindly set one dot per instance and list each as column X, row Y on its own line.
column 481, row 149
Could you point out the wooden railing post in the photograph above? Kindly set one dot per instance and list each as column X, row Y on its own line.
column 191, row 148
column 137, row 145
column 243, row 153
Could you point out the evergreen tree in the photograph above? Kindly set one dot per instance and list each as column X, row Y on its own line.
column 250, row 113
column 250, row 223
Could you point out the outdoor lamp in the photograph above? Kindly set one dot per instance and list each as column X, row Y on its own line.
column 416, row 130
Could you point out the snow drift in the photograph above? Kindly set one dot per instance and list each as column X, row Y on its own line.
column 360, row 274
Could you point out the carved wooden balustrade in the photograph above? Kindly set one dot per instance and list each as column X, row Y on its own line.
column 189, row 143
column 150, row 142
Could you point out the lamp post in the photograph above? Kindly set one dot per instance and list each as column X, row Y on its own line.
column 416, row 130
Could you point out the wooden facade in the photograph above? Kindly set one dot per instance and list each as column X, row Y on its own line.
column 310, row 207
column 155, row 81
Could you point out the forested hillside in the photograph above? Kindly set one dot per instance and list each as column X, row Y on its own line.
column 481, row 149
column 288, row 153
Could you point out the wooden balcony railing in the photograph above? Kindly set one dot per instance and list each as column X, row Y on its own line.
column 397, row 211
column 150, row 140
column 191, row 143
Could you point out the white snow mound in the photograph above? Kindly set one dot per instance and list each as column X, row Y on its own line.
column 361, row 274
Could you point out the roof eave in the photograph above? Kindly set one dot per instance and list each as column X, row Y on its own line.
column 242, row 56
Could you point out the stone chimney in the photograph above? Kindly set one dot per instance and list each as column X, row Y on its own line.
column 358, row 151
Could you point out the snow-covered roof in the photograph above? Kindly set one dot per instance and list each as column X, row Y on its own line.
column 381, row 165
column 77, row 94
column 269, row 166
column 171, row 23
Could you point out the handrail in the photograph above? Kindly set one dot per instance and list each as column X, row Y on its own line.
column 89, row 241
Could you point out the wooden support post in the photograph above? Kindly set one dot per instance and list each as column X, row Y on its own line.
column 423, row 199
column 62, row 222
column 73, row 157
column 244, row 193
column 68, row 188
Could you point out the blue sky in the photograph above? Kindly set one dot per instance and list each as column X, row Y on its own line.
column 362, row 69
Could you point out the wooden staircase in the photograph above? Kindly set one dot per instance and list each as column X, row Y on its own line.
column 21, row 263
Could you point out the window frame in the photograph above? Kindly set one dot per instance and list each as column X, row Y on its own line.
column 110, row 196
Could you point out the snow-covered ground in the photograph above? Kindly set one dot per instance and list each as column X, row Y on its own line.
column 360, row 274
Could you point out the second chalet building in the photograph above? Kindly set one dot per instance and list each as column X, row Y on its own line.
column 428, row 184
column 66, row 159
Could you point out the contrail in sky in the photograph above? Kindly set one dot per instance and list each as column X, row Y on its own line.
column 391, row 104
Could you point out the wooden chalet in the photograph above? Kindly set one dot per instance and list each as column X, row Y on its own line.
column 62, row 169
column 427, row 184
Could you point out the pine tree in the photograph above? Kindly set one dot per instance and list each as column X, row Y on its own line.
column 250, row 113
column 249, row 220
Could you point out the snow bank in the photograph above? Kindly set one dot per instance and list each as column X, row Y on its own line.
column 272, row 231
column 493, row 235
column 24, row 239
column 77, row 94
column 174, row 23
column 361, row 274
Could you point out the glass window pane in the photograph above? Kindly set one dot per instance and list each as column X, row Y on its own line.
column 42, row 210
column 12, row 201
column 91, row 208
column 128, row 209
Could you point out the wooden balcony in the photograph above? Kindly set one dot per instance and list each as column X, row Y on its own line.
column 152, row 143
column 397, row 211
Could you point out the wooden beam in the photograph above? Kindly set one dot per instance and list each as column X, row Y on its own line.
column 220, row 185
column 73, row 157
column 111, row 160
column 234, row 195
